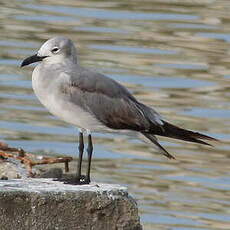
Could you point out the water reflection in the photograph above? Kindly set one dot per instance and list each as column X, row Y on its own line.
column 174, row 56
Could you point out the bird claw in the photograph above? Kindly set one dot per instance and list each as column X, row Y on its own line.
column 74, row 181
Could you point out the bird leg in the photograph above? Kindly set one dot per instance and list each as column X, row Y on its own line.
column 89, row 151
column 79, row 177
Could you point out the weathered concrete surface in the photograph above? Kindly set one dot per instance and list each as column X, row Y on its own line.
column 43, row 204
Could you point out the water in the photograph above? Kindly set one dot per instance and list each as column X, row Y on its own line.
column 173, row 56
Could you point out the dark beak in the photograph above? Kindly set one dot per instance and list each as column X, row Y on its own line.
column 32, row 59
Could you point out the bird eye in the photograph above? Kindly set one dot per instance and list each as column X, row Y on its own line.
column 55, row 50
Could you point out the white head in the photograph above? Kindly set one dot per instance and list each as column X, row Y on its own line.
column 55, row 50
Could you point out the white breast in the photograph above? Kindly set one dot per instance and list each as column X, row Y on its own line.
column 57, row 104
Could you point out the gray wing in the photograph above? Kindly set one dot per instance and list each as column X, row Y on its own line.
column 110, row 102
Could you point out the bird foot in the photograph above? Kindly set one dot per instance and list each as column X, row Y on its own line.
column 74, row 181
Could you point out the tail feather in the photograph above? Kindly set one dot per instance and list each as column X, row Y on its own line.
column 172, row 131
column 175, row 132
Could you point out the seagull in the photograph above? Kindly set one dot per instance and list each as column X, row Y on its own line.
column 94, row 102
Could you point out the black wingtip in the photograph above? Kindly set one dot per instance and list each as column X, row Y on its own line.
column 203, row 136
column 168, row 155
column 176, row 132
column 153, row 139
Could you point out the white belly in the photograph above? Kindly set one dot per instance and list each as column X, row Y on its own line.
column 64, row 109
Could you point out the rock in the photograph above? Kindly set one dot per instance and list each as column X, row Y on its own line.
column 44, row 204
column 12, row 169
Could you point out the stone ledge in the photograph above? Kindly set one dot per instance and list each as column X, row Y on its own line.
column 44, row 204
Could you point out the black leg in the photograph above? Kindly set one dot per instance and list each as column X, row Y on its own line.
column 80, row 179
column 89, row 151
column 81, row 151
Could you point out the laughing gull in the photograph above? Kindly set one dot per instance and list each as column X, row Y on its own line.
column 94, row 102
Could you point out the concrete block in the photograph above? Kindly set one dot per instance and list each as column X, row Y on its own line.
column 44, row 204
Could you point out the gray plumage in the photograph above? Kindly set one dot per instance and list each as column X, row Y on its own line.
column 92, row 101
column 103, row 98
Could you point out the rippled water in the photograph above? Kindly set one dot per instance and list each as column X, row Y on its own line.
column 173, row 55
